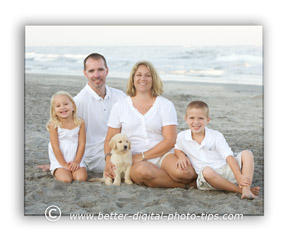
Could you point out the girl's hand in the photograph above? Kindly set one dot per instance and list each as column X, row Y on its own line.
column 182, row 163
column 73, row 166
column 66, row 166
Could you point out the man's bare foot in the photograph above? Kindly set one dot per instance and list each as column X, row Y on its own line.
column 44, row 168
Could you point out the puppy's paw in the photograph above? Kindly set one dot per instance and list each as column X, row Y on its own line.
column 108, row 181
column 128, row 181
column 116, row 183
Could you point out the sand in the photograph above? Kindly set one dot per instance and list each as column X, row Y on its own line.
column 236, row 111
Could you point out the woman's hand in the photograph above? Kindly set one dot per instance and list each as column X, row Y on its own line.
column 109, row 169
column 137, row 158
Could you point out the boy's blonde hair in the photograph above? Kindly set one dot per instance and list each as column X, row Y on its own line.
column 157, row 85
column 53, row 117
column 198, row 105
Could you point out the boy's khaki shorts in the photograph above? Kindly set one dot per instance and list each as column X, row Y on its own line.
column 225, row 172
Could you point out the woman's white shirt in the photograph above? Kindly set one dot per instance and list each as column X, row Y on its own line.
column 144, row 131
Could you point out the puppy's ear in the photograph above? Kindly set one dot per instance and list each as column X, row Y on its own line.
column 112, row 143
column 129, row 144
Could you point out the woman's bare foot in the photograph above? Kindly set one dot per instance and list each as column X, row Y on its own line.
column 44, row 168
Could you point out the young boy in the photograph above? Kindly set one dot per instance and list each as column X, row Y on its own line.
column 211, row 156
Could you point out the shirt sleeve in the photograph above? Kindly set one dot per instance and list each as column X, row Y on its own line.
column 178, row 144
column 169, row 115
column 222, row 146
column 114, row 117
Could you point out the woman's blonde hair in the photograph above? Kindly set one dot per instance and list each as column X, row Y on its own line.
column 53, row 117
column 157, row 86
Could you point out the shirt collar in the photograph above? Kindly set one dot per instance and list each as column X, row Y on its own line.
column 188, row 136
column 95, row 95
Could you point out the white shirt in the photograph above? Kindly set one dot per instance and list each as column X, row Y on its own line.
column 144, row 131
column 95, row 112
column 212, row 151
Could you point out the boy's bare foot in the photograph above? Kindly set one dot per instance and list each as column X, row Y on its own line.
column 44, row 168
column 191, row 185
column 248, row 193
column 255, row 190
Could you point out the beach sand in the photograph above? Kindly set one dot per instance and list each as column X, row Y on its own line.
column 236, row 111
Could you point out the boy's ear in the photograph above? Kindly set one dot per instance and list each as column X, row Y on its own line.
column 208, row 119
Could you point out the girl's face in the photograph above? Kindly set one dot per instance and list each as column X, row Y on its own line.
column 143, row 79
column 63, row 107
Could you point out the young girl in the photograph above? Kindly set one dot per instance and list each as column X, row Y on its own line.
column 67, row 139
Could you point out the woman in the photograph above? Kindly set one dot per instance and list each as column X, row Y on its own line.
column 149, row 120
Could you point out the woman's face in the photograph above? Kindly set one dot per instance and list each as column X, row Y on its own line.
column 143, row 79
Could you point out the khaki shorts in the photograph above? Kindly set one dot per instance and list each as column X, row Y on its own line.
column 225, row 172
column 158, row 161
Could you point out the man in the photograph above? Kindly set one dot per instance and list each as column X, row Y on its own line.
column 94, row 103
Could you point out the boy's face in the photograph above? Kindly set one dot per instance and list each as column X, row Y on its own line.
column 197, row 120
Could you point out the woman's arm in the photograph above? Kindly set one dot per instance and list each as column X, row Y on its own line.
column 169, row 133
column 55, row 146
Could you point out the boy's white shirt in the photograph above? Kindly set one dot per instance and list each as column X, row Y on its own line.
column 212, row 151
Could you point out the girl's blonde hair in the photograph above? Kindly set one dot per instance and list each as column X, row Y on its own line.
column 157, row 86
column 53, row 117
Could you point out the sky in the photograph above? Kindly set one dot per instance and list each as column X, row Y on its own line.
column 142, row 35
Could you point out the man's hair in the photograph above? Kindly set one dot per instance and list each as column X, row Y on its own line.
column 198, row 105
column 95, row 56
column 157, row 86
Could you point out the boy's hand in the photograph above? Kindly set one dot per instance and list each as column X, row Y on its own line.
column 182, row 163
column 244, row 181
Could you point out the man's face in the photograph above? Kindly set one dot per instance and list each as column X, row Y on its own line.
column 96, row 73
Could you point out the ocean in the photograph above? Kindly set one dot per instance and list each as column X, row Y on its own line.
column 218, row 64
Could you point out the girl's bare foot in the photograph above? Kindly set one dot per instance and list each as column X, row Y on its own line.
column 44, row 168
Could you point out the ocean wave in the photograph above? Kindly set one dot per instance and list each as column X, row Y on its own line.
column 240, row 58
column 203, row 72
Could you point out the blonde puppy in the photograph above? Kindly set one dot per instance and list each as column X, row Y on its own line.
column 121, row 157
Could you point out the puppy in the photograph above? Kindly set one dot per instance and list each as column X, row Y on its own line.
column 121, row 157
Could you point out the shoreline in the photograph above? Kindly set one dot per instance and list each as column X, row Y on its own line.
column 164, row 81
column 236, row 111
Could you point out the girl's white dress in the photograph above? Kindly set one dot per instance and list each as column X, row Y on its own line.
column 68, row 142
